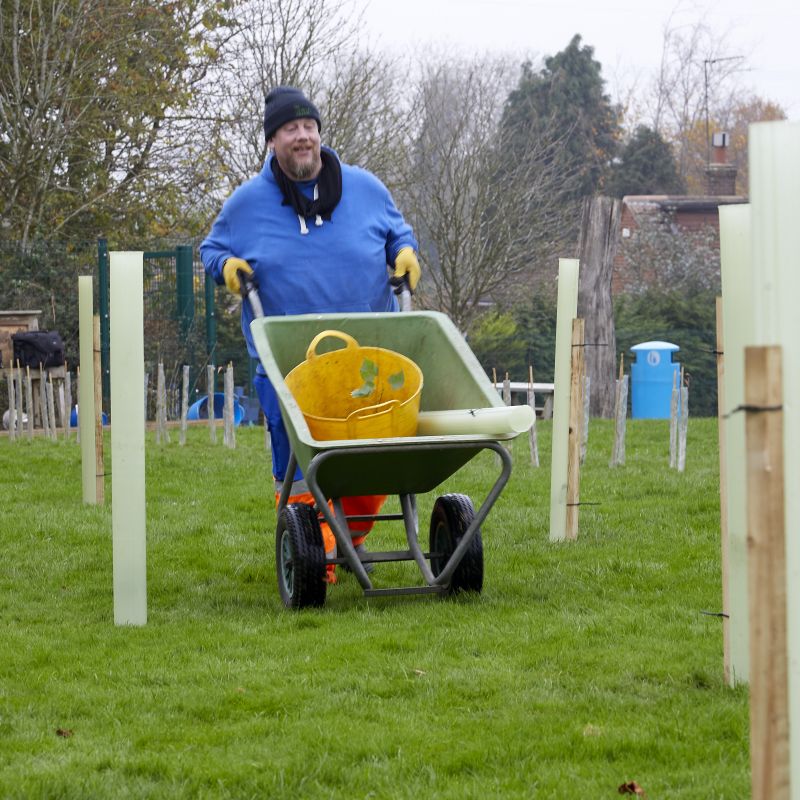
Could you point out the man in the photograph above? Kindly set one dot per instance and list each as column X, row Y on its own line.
column 318, row 236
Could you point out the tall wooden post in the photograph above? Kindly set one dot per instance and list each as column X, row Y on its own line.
column 769, row 700
column 575, row 427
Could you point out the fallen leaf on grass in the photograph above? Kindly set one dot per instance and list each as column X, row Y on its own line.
column 64, row 732
column 631, row 787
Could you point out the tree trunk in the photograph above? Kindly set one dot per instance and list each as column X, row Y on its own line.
column 597, row 247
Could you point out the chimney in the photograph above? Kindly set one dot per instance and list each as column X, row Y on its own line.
column 720, row 175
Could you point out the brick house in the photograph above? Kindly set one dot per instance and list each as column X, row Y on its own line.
column 668, row 239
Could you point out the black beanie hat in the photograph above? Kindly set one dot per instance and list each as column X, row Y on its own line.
column 282, row 105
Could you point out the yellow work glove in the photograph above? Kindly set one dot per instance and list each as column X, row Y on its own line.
column 406, row 264
column 229, row 270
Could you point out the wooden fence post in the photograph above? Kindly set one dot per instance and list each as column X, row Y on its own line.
column 683, row 424
column 212, row 425
column 230, row 434
column 769, row 657
column 20, row 406
column 534, row 442
column 184, row 403
column 12, row 406
column 673, row 422
column 29, row 400
column 575, row 426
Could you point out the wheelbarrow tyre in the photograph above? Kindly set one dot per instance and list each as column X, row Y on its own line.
column 451, row 517
column 300, row 557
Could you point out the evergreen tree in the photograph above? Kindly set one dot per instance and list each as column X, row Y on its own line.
column 564, row 103
column 646, row 166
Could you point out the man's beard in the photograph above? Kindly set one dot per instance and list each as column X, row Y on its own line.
column 302, row 170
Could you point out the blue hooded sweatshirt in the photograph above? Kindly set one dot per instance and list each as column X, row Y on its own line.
column 337, row 266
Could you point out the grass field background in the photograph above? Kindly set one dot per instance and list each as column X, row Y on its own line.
column 580, row 667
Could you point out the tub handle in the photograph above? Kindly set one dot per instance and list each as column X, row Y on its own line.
column 381, row 408
column 348, row 340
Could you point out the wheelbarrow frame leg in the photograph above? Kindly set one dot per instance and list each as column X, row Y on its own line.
column 337, row 519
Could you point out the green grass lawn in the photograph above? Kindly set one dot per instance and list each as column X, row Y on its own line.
column 582, row 665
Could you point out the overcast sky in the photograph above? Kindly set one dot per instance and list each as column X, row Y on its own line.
column 626, row 34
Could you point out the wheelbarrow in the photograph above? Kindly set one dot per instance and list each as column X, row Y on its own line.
column 403, row 466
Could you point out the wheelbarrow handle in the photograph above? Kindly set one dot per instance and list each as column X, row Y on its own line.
column 402, row 290
column 249, row 289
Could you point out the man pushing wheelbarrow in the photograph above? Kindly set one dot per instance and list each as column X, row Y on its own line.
column 316, row 236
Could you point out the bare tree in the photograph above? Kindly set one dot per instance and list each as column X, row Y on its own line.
column 312, row 44
column 695, row 80
column 486, row 223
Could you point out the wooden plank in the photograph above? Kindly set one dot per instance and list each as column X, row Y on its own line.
column 575, row 428
column 769, row 687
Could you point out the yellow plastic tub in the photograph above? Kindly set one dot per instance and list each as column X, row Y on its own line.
column 356, row 392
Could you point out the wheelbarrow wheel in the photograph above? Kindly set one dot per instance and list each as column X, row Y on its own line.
column 451, row 517
column 300, row 557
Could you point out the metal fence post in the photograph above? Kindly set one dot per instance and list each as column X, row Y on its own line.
column 211, row 319
column 184, row 286
column 105, row 327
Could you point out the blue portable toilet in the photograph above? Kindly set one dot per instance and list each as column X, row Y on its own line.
column 652, row 377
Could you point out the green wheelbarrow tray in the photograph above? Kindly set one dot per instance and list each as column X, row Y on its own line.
column 405, row 466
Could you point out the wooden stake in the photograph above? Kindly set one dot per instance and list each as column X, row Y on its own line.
column 212, row 425
column 162, row 434
column 575, row 425
column 43, row 403
column 184, row 403
column 20, row 408
column 99, row 460
column 68, row 399
column 29, row 400
column 507, row 401
column 766, row 536
column 230, row 435
column 587, row 386
column 683, row 425
column 723, row 494
column 62, row 409
column 12, row 407
column 618, row 449
column 51, row 410
column 673, row 422
column 534, row 442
